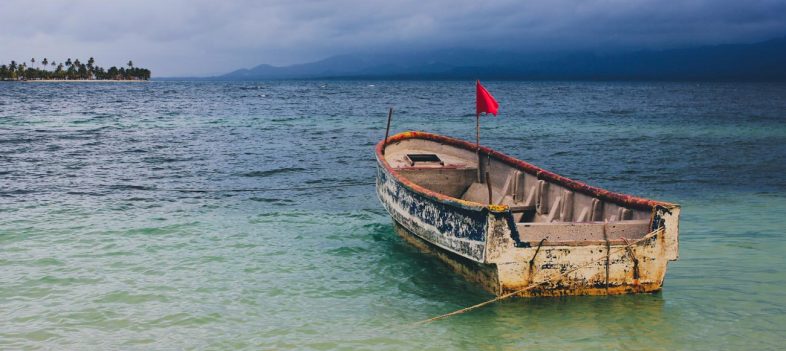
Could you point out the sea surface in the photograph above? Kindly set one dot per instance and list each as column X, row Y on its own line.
column 241, row 215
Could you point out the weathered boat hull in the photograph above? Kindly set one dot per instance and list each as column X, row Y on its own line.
column 482, row 242
column 514, row 277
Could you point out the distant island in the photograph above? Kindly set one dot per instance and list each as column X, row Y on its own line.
column 45, row 70
column 762, row 61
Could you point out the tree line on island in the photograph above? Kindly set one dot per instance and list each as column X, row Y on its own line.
column 70, row 70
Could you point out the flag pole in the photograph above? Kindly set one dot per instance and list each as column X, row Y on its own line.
column 484, row 102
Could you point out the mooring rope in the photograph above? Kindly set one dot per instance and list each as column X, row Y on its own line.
column 531, row 286
column 473, row 307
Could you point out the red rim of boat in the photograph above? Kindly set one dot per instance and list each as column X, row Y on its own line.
column 620, row 199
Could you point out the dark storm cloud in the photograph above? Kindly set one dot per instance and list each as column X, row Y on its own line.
column 204, row 37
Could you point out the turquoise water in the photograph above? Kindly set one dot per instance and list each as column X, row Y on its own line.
column 117, row 230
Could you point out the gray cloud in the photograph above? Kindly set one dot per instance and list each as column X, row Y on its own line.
column 205, row 37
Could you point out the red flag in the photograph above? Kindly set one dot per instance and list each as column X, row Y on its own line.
column 485, row 102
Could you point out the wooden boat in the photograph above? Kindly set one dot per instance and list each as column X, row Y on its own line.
column 516, row 228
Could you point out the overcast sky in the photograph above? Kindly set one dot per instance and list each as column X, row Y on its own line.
column 179, row 38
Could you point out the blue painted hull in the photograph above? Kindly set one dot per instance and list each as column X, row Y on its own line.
column 450, row 226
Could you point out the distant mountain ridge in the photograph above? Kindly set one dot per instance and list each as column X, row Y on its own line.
column 762, row 61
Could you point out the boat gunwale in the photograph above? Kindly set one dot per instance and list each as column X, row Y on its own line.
column 541, row 174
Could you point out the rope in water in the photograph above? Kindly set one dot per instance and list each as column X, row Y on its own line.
column 531, row 286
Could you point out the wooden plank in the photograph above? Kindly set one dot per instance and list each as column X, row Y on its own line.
column 582, row 231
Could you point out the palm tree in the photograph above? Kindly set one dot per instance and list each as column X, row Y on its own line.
column 130, row 64
column 45, row 62
column 75, row 65
column 71, row 69
column 12, row 69
column 90, row 63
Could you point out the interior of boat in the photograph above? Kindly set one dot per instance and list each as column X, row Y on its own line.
column 541, row 209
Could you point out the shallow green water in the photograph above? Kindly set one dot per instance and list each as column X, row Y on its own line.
column 98, row 252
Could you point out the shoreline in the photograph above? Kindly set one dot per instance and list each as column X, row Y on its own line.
column 76, row 81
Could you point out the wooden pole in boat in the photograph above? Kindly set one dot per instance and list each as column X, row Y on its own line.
column 488, row 185
column 387, row 130
column 477, row 143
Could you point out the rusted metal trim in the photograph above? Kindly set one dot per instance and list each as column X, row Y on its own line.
column 531, row 266
column 617, row 198
column 632, row 254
